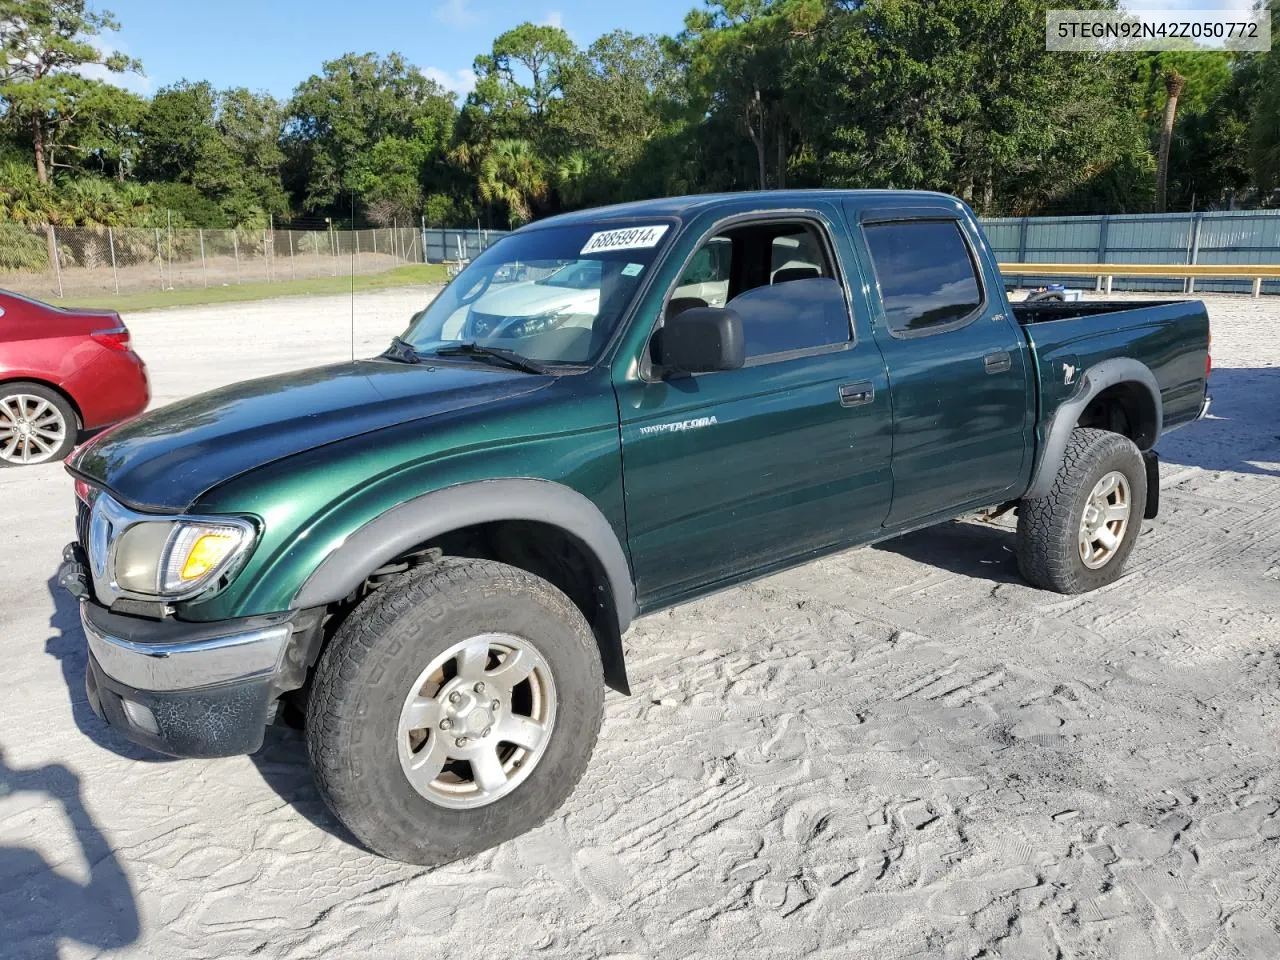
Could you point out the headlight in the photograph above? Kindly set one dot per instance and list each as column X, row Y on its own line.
column 546, row 321
column 142, row 555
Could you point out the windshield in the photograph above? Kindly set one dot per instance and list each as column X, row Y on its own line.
column 581, row 275
column 553, row 294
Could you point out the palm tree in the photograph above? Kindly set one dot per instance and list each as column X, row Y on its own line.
column 90, row 202
column 572, row 175
column 512, row 173
column 1173, row 84
column 1265, row 131
column 23, row 199
column 134, row 200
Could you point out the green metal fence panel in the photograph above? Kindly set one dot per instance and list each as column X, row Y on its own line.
column 1211, row 237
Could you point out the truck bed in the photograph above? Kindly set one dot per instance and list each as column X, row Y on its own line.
column 1046, row 311
column 1169, row 337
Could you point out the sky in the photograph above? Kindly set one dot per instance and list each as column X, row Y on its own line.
column 273, row 45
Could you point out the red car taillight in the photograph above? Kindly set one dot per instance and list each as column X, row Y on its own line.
column 1208, row 357
column 116, row 338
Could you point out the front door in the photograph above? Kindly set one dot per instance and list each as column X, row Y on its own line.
column 732, row 471
column 957, row 371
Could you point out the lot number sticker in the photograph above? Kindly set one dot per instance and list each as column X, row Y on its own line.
column 630, row 238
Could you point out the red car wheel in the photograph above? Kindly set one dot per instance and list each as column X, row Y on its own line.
column 37, row 425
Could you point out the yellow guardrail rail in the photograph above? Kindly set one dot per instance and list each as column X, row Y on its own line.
column 1105, row 272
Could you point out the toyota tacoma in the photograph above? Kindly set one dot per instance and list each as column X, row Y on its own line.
column 432, row 556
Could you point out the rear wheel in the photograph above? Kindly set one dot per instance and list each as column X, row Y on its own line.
column 456, row 708
column 1078, row 536
column 37, row 425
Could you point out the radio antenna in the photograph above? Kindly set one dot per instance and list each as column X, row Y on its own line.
column 352, row 197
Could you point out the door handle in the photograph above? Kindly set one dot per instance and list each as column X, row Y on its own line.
column 857, row 394
column 999, row 362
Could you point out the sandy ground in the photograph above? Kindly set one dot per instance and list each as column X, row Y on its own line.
column 896, row 752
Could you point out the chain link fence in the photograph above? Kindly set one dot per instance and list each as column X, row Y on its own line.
column 53, row 262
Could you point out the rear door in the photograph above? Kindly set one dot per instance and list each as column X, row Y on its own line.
column 733, row 471
column 958, row 375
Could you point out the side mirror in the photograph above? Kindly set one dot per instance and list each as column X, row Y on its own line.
column 700, row 340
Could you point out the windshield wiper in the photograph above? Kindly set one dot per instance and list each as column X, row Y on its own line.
column 402, row 351
column 470, row 348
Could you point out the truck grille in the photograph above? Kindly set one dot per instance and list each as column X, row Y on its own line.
column 82, row 525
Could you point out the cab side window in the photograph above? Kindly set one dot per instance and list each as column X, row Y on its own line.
column 927, row 276
column 706, row 278
column 779, row 277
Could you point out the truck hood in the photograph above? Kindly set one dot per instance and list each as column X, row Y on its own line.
column 168, row 457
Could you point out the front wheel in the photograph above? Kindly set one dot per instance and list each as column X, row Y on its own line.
column 456, row 708
column 1077, row 537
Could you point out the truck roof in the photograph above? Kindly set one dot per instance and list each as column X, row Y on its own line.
column 689, row 205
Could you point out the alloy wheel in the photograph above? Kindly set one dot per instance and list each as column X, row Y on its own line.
column 1105, row 520
column 476, row 721
column 32, row 429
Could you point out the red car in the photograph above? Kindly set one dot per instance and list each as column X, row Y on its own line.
column 62, row 372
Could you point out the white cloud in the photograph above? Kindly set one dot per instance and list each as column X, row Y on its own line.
column 106, row 45
column 554, row 18
column 460, row 82
column 456, row 13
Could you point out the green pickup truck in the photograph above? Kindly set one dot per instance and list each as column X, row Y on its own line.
column 432, row 556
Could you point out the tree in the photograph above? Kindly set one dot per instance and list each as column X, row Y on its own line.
column 388, row 178
column 961, row 96
column 249, row 126
column 42, row 45
column 1173, row 84
column 23, row 198
column 513, row 175
column 1266, row 141
column 104, row 134
column 339, row 116
column 226, row 144
column 516, row 85
column 178, row 136
column 737, row 53
column 542, row 52
column 1264, row 131
column 1200, row 167
column 617, row 95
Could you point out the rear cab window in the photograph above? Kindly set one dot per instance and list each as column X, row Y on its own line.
column 928, row 279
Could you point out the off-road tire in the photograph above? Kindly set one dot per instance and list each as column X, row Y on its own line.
column 361, row 681
column 70, row 419
column 1049, row 526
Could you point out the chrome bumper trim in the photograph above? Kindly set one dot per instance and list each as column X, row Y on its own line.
column 1204, row 407
column 183, row 666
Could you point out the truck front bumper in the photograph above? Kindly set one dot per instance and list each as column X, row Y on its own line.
column 185, row 689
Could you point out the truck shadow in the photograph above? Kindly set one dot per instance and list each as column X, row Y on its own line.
column 282, row 760
column 974, row 549
column 283, row 765
column 1243, row 426
column 67, row 645
column 40, row 904
column 1241, row 435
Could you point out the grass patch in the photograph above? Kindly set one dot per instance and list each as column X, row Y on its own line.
column 406, row 276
